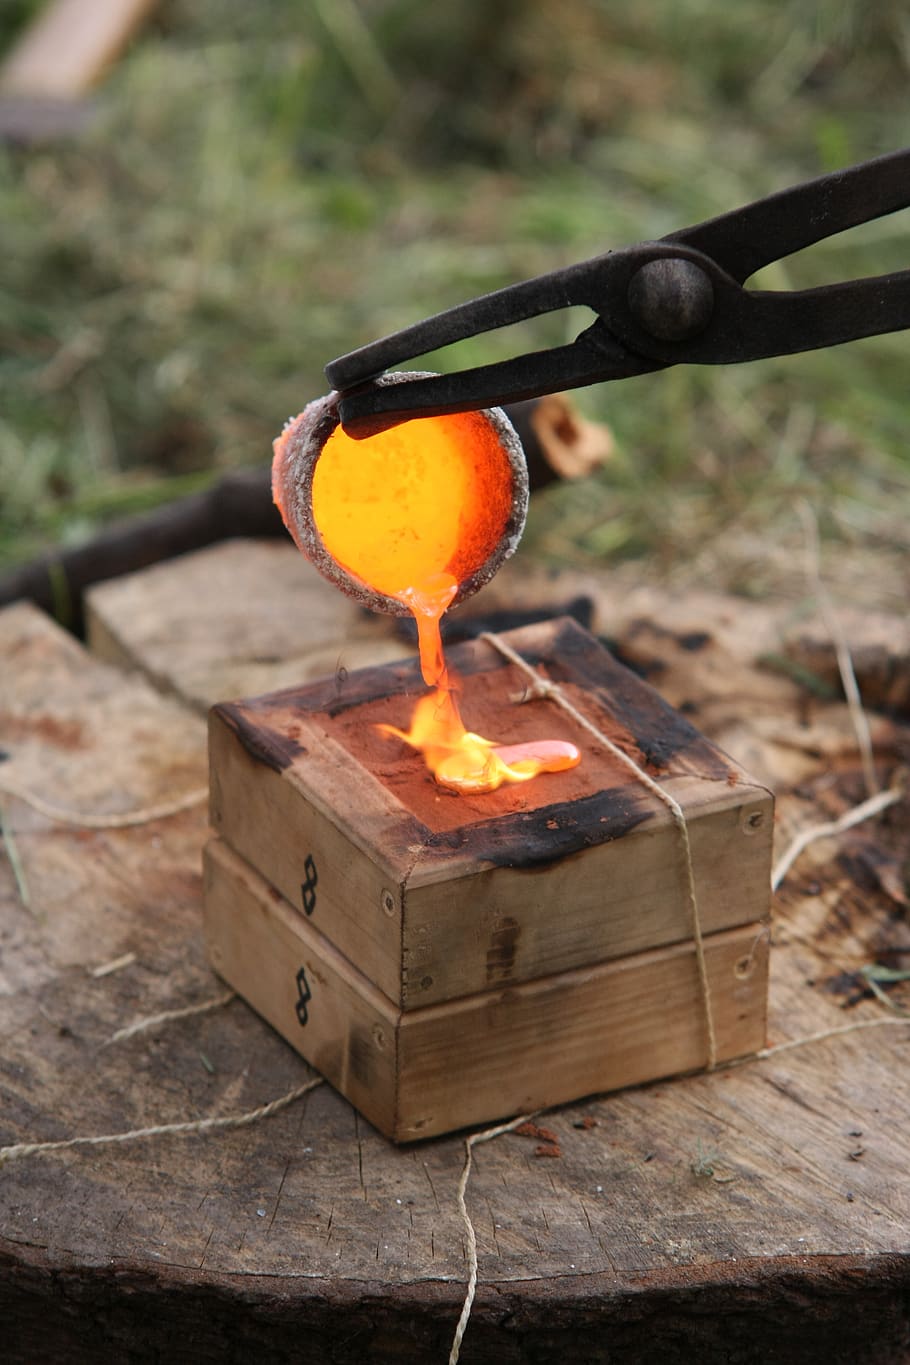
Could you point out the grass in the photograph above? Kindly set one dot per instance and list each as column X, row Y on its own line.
column 268, row 186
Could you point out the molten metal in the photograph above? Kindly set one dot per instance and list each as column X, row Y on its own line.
column 457, row 758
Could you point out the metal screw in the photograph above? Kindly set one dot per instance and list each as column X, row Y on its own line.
column 671, row 298
column 752, row 821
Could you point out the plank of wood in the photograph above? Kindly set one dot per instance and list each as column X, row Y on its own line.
column 69, row 45
column 434, row 897
column 80, row 736
column 240, row 618
column 290, row 1234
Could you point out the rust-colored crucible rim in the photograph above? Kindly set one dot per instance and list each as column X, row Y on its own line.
column 297, row 453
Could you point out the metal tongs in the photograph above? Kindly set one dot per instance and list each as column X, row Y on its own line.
column 679, row 300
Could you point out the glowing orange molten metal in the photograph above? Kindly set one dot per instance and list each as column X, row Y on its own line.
column 457, row 758
column 413, row 512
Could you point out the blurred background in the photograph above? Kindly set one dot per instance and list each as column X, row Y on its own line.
column 265, row 186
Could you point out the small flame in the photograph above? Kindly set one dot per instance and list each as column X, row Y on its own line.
column 465, row 762
column 458, row 758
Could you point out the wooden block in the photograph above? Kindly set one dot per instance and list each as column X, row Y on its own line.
column 69, row 44
column 434, row 896
column 185, row 624
column 422, row 1072
column 79, row 735
column 470, row 956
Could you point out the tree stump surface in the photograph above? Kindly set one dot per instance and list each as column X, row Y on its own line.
column 757, row 1213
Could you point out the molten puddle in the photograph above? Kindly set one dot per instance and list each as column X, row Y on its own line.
column 413, row 513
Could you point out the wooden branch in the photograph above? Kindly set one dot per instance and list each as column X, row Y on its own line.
column 557, row 445
column 558, row 442
column 238, row 505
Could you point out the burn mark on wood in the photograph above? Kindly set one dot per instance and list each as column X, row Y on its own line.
column 537, row 838
column 501, row 952
column 872, row 867
column 661, row 733
column 360, row 1056
column 694, row 640
column 690, row 640
column 277, row 749
column 642, row 668
column 851, row 987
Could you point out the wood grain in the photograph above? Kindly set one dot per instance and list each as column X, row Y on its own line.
column 290, row 1236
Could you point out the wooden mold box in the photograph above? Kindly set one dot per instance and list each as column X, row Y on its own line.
column 445, row 960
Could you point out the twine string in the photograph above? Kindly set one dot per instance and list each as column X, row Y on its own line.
column 167, row 1016
column 117, row 820
column 193, row 1126
column 542, row 687
column 842, row 653
column 855, row 816
column 765, row 1052
column 470, row 1143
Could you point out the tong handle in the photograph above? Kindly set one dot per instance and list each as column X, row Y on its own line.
column 773, row 228
column 679, row 300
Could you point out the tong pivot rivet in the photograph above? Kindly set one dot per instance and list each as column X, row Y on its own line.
column 671, row 298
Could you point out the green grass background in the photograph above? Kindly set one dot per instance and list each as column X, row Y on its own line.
column 269, row 185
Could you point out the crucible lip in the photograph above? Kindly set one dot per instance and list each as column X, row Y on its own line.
column 297, row 452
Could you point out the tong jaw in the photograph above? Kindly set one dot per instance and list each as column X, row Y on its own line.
column 652, row 299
